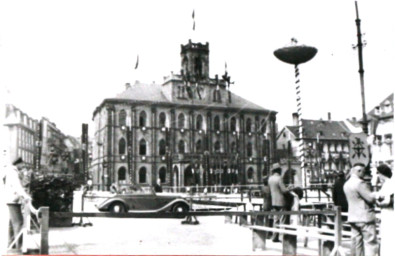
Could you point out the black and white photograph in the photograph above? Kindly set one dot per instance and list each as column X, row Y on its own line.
column 186, row 127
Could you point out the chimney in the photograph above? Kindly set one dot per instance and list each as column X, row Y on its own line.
column 127, row 86
column 329, row 116
column 295, row 118
column 354, row 119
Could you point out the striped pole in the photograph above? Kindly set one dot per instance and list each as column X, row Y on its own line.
column 301, row 148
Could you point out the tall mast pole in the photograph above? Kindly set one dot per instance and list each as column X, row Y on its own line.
column 361, row 71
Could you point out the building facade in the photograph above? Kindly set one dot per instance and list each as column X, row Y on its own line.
column 190, row 130
column 382, row 130
column 41, row 145
column 20, row 135
column 326, row 150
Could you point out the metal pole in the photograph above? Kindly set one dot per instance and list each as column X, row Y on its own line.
column 300, row 125
column 361, row 71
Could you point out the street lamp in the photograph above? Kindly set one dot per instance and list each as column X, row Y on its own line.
column 297, row 54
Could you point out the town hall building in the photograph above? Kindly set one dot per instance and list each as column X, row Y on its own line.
column 190, row 130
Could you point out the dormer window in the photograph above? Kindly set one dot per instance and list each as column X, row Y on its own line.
column 377, row 110
column 217, row 95
column 387, row 107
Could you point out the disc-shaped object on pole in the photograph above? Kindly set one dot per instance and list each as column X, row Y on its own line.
column 295, row 54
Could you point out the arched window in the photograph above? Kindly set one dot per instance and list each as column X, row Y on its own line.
column 162, row 174
column 233, row 124
column 263, row 126
column 181, row 147
column 199, row 147
column 143, row 119
column 142, row 175
column 122, row 146
column 250, row 173
column 216, row 123
column 143, row 148
column 122, row 173
column 162, row 119
column 233, row 147
column 181, row 120
column 217, row 146
column 199, row 122
column 249, row 125
column 162, row 147
column 249, row 149
column 122, row 118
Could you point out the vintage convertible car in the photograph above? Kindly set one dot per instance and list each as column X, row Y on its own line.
column 144, row 201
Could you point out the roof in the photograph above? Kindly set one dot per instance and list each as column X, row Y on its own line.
column 328, row 130
column 383, row 112
column 154, row 94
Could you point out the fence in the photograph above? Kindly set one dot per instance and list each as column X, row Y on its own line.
column 42, row 216
column 335, row 237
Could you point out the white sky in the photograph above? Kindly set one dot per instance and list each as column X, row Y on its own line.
column 60, row 59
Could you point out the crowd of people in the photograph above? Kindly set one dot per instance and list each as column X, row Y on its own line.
column 353, row 193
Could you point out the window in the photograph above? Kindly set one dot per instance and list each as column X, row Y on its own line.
column 284, row 135
column 217, row 146
column 162, row 119
column 143, row 119
column 262, row 129
column 143, row 148
column 162, row 147
column 122, row 118
column 217, row 95
column 249, row 125
column 142, row 175
column 233, row 147
column 216, row 123
column 122, row 146
column 249, row 149
column 162, row 174
column 233, row 124
column 181, row 147
column 250, row 173
column 181, row 120
column 199, row 122
column 122, row 173
column 199, row 146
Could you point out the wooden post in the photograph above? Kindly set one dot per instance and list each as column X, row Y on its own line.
column 338, row 227
column 319, row 222
column 289, row 244
column 44, row 229
column 258, row 239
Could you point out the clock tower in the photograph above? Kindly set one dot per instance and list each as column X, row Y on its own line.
column 195, row 61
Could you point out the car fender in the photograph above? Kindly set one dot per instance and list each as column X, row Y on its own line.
column 106, row 204
column 165, row 207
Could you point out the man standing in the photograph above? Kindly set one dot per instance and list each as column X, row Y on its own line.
column 361, row 214
column 15, row 194
column 158, row 187
column 277, row 191
column 339, row 198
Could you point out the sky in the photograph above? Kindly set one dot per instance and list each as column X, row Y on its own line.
column 61, row 59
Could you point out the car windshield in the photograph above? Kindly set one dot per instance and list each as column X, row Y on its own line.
column 137, row 190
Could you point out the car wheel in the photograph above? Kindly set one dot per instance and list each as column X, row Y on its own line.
column 117, row 207
column 180, row 208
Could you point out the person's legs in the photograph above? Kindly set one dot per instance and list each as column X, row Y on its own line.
column 276, row 221
column 356, row 240
column 369, row 239
column 16, row 220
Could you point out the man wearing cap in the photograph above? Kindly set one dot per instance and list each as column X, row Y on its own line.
column 361, row 214
column 15, row 195
column 277, row 191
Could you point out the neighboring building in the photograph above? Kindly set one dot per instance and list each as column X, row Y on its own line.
column 40, row 143
column 190, row 130
column 326, row 150
column 20, row 135
column 381, row 119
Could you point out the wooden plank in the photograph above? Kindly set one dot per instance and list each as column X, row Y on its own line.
column 294, row 232
column 180, row 215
